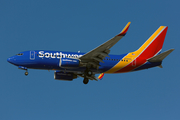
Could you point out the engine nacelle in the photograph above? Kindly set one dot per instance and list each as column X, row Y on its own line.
column 69, row 63
column 64, row 76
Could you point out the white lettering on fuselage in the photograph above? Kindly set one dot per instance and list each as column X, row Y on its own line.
column 57, row 55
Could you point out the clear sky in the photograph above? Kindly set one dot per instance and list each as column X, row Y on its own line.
column 73, row 25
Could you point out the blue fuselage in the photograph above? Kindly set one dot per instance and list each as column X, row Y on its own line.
column 50, row 60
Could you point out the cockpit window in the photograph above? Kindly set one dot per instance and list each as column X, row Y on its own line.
column 19, row 54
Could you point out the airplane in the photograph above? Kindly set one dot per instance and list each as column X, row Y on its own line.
column 71, row 65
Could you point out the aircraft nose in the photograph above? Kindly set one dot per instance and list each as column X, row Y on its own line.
column 10, row 60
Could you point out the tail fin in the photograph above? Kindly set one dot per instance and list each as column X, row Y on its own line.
column 154, row 44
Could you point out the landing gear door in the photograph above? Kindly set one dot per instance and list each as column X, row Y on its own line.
column 32, row 55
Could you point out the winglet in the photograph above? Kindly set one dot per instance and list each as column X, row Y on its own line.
column 124, row 31
column 101, row 76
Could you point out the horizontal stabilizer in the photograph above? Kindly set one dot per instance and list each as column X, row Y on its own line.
column 160, row 57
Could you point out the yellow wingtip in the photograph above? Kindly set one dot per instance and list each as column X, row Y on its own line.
column 124, row 31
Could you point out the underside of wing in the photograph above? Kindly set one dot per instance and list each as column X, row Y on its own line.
column 97, row 55
column 92, row 77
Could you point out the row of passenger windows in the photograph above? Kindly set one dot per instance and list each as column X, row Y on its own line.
column 116, row 59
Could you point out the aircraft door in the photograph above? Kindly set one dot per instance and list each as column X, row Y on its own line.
column 134, row 63
column 32, row 55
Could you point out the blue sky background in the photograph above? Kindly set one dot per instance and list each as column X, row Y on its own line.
column 74, row 25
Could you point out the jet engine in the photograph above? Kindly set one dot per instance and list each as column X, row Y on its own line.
column 67, row 76
column 69, row 63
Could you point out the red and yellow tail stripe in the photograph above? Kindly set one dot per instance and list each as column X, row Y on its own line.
column 135, row 59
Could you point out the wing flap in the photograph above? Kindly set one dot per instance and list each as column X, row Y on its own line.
column 98, row 59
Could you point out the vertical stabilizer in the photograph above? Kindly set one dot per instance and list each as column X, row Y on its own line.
column 154, row 44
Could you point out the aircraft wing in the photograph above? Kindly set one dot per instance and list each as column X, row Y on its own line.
column 98, row 54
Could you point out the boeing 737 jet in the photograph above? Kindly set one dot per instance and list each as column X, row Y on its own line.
column 71, row 65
